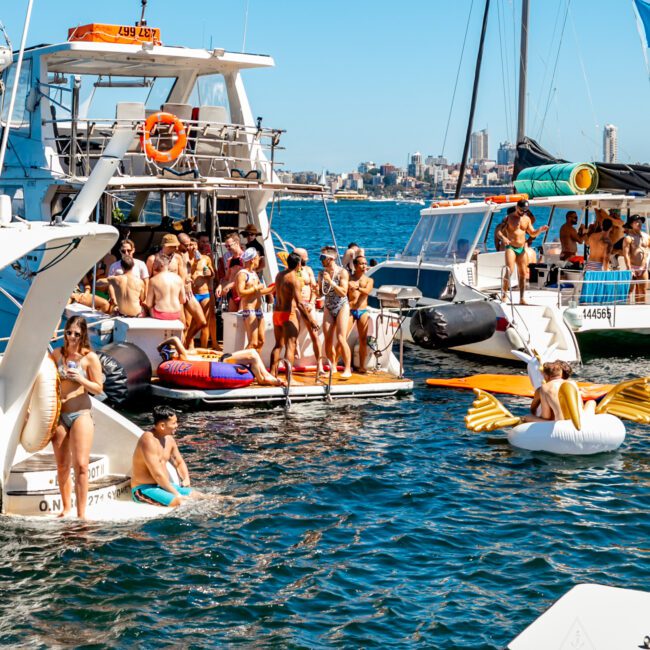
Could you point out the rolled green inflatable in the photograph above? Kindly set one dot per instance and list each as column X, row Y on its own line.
column 557, row 180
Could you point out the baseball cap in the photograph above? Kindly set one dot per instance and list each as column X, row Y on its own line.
column 249, row 254
column 523, row 204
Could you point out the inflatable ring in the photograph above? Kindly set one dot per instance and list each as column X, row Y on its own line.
column 44, row 408
column 204, row 374
column 181, row 137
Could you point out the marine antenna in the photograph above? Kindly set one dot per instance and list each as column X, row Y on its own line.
column 142, row 22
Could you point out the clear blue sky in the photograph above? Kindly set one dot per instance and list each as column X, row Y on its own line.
column 373, row 80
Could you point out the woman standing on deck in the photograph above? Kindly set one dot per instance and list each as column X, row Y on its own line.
column 81, row 374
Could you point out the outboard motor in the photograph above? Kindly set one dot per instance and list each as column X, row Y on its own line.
column 448, row 326
column 127, row 373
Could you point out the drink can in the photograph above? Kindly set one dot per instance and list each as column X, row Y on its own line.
column 72, row 365
column 320, row 303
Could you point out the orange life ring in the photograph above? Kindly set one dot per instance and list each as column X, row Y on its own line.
column 506, row 198
column 181, row 137
column 449, row 204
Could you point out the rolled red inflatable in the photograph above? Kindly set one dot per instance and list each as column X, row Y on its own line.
column 204, row 374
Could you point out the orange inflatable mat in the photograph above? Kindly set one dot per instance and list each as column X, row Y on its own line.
column 513, row 385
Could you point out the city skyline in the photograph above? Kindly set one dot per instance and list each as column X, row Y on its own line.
column 385, row 91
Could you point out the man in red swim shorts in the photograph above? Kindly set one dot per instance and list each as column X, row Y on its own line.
column 285, row 318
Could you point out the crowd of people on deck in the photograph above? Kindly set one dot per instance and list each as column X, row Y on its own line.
column 612, row 244
column 184, row 281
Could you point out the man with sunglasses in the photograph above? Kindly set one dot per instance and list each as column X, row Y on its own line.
column 359, row 288
column 513, row 235
column 140, row 270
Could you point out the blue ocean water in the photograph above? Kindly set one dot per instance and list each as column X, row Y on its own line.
column 381, row 523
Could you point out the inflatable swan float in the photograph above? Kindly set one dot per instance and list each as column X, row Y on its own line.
column 581, row 431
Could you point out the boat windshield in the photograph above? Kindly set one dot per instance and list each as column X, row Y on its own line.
column 445, row 237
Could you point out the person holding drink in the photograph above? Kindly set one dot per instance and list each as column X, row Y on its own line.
column 81, row 375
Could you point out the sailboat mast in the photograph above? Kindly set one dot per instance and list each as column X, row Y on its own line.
column 523, row 71
column 477, row 76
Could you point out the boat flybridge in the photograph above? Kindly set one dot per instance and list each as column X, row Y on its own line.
column 452, row 260
column 198, row 160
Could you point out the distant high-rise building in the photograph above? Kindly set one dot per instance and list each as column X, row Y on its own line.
column 416, row 168
column 610, row 143
column 479, row 146
column 506, row 153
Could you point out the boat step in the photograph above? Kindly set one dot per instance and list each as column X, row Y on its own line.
column 47, row 502
column 38, row 473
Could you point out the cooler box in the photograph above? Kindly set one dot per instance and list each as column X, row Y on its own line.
column 147, row 334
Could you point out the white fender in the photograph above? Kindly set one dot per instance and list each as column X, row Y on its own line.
column 44, row 408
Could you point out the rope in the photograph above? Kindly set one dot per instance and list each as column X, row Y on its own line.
column 68, row 248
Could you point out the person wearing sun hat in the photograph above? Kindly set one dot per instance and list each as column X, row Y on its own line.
column 249, row 235
column 168, row 250
column 636, row 247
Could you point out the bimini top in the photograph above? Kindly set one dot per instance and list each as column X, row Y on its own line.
column 146, row 60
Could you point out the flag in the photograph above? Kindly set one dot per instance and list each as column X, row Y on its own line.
column 643, row 25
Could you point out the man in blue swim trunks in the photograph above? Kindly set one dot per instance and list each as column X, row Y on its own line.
column 513, row 235
column 150, row 482
column 359, row 288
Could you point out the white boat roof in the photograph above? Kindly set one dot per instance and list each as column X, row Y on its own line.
column 575, row 202
column 86, row 58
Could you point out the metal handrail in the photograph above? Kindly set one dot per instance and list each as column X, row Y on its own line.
column 328, row 387
column 289, row 375
column 597, row 299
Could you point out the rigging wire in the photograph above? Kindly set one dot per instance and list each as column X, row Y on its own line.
column 453, row 96
column 504, row 76
column 243, row 45
column 557, row 58
column 584, row 72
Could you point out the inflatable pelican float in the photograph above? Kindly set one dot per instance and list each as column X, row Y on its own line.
column 581, row 431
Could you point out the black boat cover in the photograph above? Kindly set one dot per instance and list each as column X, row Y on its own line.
column 612, row 177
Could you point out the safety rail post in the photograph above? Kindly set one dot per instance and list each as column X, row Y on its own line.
column 328, row 387
column 289, row 373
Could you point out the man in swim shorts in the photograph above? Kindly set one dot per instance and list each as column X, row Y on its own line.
column 308, row 290
column 250, row 290
column 359, row 288
column 285, row 320
column 150, row 482
column 513, row 235
column 636, row 247
column 600, row 248
column 166, row 292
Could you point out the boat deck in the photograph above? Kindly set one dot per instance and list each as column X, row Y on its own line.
column 304, row 387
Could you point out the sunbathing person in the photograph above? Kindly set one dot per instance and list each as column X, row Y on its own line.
column 173, row 348
column 150, row 481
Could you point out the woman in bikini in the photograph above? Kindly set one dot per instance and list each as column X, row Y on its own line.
column 333, row 285
column 81, row 374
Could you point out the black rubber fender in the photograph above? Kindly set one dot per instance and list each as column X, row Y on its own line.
column 451, row 325
column 127, row 373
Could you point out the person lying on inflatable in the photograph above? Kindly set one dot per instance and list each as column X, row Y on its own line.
column 173, row 348
column 573, row 428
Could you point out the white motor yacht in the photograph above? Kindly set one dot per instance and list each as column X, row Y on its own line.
column 198, row 160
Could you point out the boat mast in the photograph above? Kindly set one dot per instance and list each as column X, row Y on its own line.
column 14, row 90
column 523, row 71
column 477, row 76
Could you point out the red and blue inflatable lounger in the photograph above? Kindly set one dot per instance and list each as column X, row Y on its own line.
column 204, row 374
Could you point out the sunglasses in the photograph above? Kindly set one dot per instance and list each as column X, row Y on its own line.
column 324, row 258
column 125, row 250
column 77, row 335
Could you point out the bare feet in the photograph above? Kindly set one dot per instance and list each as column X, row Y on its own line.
column 522, row 301
column 346, row 375
column 362, row 371
column 63, row 513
